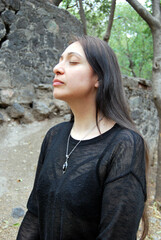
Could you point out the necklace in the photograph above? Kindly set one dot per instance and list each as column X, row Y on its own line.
column 65, row 165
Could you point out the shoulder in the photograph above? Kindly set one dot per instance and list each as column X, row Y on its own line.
column 59, row 130
column 61, row 127
column 128, row 137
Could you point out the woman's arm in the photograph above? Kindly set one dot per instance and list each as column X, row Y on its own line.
column 122, row 208
column 29, row 229
column 124, row 191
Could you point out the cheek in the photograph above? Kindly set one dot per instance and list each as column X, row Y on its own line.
column 83, row 76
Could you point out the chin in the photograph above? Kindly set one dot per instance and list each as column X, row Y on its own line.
column 58, row 96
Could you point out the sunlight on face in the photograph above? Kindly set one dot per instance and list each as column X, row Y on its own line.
column 74, row 77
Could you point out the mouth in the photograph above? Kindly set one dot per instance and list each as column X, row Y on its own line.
column 57, row 82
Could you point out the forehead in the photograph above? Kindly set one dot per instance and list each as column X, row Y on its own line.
column 74, row 48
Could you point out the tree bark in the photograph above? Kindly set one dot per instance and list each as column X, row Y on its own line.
column 157, row 99
column 55, row 2
column 110, row 22
column 82, row 16
column 154, row 22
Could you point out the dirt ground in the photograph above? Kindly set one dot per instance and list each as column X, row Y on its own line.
column 19, row 150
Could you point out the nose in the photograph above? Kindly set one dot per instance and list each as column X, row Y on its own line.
column 58, row 69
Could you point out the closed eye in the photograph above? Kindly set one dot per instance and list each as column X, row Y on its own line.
column 73, row 63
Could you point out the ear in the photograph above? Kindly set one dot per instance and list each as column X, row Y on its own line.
column 96, row 82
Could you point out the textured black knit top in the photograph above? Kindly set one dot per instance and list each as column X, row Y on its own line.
column 100, row 197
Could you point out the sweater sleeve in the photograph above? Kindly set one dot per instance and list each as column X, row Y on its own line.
column 124, row 191
column 29, row 229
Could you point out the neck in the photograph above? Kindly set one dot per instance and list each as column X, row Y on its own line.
column 83, row 122
column 84, row 119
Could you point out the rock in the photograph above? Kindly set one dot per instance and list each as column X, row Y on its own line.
column 18, row 212
column 2, row 30
column 5, row 80
column 135, row 102
column 2, row 6
column 25, row 96
column 6, row 96
column 40, row 110
column 22, row 23
column 52, row 26
column 135, row 114
column 17, row 40
column 14, row 4
column 44, row 91
column 27, row 118
column 16, row 111
column 1, row 118
column 61, row 106
column 8, row 17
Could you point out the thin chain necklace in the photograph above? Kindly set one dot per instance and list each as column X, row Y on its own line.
column 65, row 165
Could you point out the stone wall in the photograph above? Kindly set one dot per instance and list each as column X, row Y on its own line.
column 32, row 35
column 143, row 111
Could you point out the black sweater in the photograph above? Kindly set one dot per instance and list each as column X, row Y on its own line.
column 100, row 197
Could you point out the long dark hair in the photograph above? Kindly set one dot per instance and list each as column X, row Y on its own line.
column 110, row 98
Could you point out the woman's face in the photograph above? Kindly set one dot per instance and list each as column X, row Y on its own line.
column 74, row 77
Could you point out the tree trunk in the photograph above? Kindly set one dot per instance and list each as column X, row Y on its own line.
column 55, row 2
column 156, row 76
column 110, row 22
column 154, row 22
column 82, row 16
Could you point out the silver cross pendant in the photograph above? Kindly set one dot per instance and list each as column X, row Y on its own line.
column 65, row 165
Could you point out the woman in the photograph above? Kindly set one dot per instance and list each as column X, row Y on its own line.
column 90, row 181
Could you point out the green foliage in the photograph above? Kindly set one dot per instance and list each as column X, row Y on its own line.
column 130, row 38
column 96, row 13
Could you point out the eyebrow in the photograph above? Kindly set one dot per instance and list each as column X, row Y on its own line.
column 72, row 53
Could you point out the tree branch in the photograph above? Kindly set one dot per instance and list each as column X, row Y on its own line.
column 151, row 20
column 110, row 22
column 82, row 16
column 55, row 2
column 156, row 8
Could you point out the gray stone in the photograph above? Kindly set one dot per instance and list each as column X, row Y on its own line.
column 16, row 111
column 40, row 110
column 5, row 79
column 6, row 96
column 52, row 26
column 1, row 118
column 18, row 212
column 14, row 4
column 27, row 118
column 135, row 114
column 8, row 17
column 44, row 91
column 2, row 30
column 61, row 107
column 135, row 102
column 24, row 96
column 17, row 40
column 22, row 23
column 2, row 6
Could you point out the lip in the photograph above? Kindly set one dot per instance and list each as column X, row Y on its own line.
column 57, row 82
